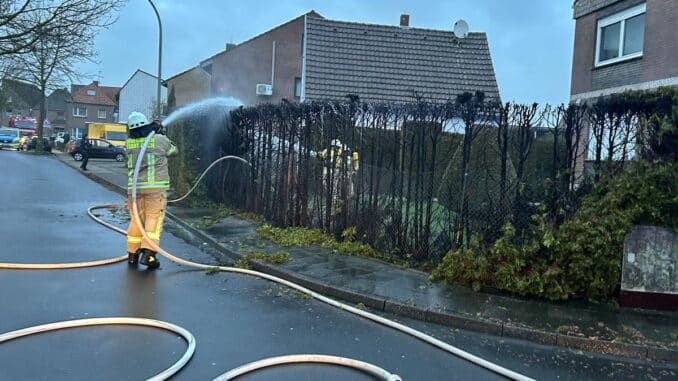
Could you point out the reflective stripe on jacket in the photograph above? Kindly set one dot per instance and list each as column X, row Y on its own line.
column 154, row 170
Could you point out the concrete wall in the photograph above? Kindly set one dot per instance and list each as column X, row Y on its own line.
column 236, row 72
column 190, row 86
column 650, row 261
column 139, row 94
column 660, row 47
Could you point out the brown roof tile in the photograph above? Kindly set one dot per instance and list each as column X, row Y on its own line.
column 104, row 95
column 391, row 63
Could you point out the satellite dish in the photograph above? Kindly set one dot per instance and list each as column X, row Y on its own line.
column 460, row 28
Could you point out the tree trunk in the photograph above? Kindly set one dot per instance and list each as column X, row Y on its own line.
column 39, row 146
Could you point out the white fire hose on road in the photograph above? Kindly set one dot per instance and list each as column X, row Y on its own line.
column 367, row 368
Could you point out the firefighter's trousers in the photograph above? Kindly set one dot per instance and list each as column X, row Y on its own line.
column 152, row 213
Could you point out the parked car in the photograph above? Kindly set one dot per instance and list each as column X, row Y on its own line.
column 9, row 138
column 47, row 147
column 100, row 149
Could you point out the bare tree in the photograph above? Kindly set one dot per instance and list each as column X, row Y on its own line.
column 18, row 24
column 62, row 35
column 470, row 107
column 524, row 118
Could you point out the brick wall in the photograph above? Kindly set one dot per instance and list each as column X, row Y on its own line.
column 92, row 117
column 584, row 7
column 621, row 74
column 661, row 40
column 236, row 72
column 660, row 47
column 190, row 87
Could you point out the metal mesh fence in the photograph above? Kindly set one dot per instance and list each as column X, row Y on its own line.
column 418, row 179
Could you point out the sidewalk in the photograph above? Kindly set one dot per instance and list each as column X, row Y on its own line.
column 385, row 287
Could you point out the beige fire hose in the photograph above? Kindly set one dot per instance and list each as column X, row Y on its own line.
column 274, row 361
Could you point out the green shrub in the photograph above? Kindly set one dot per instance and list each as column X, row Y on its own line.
column 462, row 266
column 581, row 258
column 591, row 244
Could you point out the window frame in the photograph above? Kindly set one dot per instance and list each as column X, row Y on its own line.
column 619, row 17
column 99, row 113
column 78, row 115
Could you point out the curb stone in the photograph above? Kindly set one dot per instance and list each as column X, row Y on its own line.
column 529, row 334
column 437, row 316
column 455, row 320
column 662, row 354
column 602, row 346
column 411, row 311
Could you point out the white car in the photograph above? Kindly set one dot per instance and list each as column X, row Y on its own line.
column 59, row 139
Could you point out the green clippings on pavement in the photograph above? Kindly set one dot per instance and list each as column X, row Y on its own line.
column 221, row 212
column 570, row 330
column 242, row 264
column 279, row 258
column 212, row 271
column 297, row 236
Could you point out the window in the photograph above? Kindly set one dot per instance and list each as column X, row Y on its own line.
column 620, row 36
column 101, row 144
column 101, row 114
column 80, row 111
column 297, row 87
column 119, row 136
column 91, row 92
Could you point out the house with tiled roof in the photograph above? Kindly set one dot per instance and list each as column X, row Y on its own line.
column 90, row 104
column 393, row 63
column 312, row 58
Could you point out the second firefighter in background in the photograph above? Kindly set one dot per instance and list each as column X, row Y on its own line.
column 152, row 183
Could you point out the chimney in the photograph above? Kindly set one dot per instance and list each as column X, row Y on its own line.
column 405, row 20
column 230, row 46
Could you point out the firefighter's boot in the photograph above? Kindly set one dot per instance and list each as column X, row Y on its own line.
column 148, row 259
column 133, row 258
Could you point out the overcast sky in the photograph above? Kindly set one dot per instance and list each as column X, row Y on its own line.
column 530, row 40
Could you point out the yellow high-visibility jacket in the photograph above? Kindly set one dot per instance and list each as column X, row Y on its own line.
column 154, row 170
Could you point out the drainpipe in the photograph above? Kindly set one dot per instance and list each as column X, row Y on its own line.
column 273, row 66
column 303, row 63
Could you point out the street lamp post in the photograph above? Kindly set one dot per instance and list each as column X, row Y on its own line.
column 157, row 98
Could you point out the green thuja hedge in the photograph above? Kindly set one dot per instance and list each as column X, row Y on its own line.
column 583, row 256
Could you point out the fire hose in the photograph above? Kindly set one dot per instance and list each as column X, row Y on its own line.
column 367, row 368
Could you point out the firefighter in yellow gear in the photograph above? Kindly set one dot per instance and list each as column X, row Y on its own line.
column 152, row 183
column 334, row 159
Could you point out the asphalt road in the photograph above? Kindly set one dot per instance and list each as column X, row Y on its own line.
column 235, row 319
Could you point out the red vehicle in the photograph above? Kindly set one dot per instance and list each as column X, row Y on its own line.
column 28, row 126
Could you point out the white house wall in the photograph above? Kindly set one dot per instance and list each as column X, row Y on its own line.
column 139, row 94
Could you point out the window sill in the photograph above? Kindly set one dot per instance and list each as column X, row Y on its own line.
column 80, row 116
column 617, row 61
